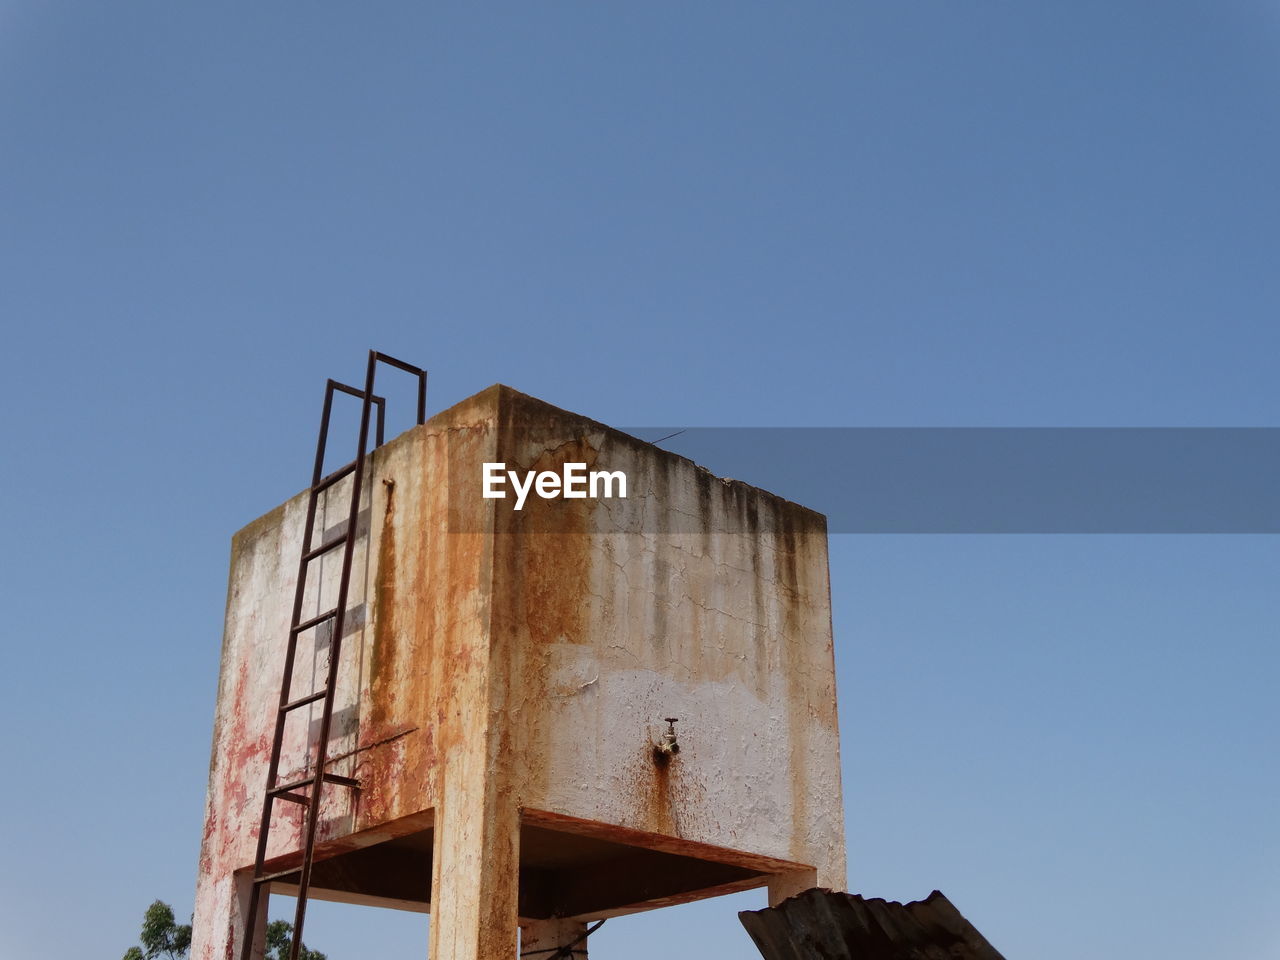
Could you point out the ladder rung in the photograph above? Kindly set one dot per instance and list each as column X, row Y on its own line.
column 303, row 701
column 324, row 548
column 354, row 391
column 276, row 875
column 406, row 367
column 315, row 621
column 328, row 778
column 289, row 787
column 295, row 797
column 326, row 482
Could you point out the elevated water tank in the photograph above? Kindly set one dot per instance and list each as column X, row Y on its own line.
column 505, row 687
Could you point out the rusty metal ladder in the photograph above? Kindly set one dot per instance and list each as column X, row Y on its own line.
column 291, row 792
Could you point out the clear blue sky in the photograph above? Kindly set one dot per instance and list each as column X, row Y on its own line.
column 742, row 214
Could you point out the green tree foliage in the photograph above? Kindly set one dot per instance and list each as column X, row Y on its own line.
column 162, row 937
column 279, row 935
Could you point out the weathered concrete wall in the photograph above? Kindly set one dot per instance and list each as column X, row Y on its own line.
column 505, row 666
column 612, row 614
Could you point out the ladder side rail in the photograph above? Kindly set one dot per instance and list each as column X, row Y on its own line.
column 299, row 597
column 323, row 441
column 277, row 739
column 335, row 650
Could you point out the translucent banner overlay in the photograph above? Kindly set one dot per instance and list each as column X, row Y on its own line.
column 1004, row 480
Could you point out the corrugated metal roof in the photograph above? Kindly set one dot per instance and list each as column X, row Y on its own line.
column 821, row 925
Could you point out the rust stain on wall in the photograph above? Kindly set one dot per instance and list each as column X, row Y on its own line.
column 554, row 553
column 661, row 811
column 382, row 661
column 797, row 673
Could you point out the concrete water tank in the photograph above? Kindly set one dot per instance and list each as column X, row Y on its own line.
column 504, row 683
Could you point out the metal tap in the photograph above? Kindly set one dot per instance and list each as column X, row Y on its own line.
column 668, row 745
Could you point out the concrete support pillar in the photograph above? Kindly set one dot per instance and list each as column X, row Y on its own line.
column 539, row 939
column 786, row 885
column 476, row 872
column 244, row 890
column 217, row 933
